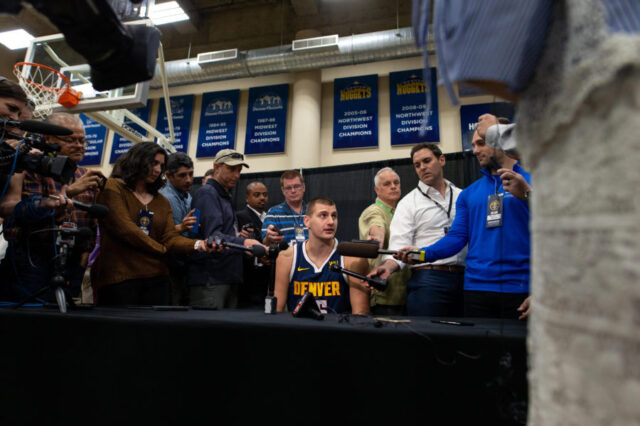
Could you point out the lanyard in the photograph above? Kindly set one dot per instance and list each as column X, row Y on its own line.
column 448, row 212
column 384, row 207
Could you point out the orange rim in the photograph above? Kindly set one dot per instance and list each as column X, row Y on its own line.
column 16, row 69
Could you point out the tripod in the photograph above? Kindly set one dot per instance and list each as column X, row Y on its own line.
column 65, row 241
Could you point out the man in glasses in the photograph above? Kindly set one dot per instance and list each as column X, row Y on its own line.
column 285, row 221
column 83, row 187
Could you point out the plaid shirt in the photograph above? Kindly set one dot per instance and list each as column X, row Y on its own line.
column 42, row 187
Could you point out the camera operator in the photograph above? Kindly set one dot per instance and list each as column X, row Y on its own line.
column 40, row 246
column 15, row 106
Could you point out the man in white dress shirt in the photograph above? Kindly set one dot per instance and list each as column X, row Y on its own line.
column 421, row 218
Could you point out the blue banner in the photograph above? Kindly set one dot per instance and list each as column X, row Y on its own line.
column 122, row 145
column 407, row 107
column 266, row 119
column 218, row 118
column 469, row 118
column 355, row 112
column 181, row 108
column 95, row 133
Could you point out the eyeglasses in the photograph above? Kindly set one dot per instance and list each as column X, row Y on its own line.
column 70, row 140
column 296, row 187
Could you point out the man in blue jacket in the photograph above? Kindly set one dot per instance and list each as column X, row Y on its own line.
column 495, row 224
column 214, row 278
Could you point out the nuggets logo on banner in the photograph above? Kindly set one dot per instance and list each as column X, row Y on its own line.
column 267, row 119
column 95, row 133
column 407, row 107
column 355, row 112
column 121, row 144
column 218, row 118
column 181, row 108
column 469, row 118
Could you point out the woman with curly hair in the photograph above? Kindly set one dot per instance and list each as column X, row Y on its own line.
column 138, row 232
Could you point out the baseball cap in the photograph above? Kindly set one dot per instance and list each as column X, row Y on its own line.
column 230, row 157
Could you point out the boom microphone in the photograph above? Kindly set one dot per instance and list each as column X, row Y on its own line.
column 97, row 210
column 375, row 282
column 35, row 126
column 371, row 250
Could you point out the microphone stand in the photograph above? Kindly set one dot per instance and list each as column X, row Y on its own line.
column 270, row 301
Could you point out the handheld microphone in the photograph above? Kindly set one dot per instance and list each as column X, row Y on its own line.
column 35, row 126
column 256, row 250
column 375, row 282
column 371, row 251
column 97, row 210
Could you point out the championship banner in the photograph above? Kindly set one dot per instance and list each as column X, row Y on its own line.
column 355, row 112
column 95, row 133
column 266, row 119
column 181, row 108
column 122, row 145
column 218, row 118
column 469, row 118
column 407, row 106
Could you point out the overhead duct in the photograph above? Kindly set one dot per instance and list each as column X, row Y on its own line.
column 355, row 49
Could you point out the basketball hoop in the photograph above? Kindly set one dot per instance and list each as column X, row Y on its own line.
column 45, row 86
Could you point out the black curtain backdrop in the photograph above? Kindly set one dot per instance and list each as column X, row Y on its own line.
column 351, row 186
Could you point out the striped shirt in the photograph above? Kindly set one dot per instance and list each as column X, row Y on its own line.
column 286, row 220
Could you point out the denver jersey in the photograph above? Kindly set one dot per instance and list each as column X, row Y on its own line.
column 330, row 289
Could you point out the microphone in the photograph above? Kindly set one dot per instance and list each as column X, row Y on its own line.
column 307, row 308
column 375, row 282
column 274, row 249
column 502, row 137
column 371, row 251
column 256, row 250
column 97, row 210
column 35, row 126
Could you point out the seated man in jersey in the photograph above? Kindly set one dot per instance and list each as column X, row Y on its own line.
column 305, row 266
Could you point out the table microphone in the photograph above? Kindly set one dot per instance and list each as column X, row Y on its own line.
column 371, row 250
column 97, row 210
column 375, row 282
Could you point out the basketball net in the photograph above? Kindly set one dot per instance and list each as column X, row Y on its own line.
column 45, row 86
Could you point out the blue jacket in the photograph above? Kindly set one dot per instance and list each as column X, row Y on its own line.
column 216, row 218
column 497, row 258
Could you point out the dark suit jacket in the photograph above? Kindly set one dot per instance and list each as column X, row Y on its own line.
column 247, row 215
column 256, row 278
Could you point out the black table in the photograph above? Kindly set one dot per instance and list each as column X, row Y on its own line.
column 139, row 366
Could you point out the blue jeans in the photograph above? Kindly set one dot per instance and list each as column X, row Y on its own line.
column 435, row 293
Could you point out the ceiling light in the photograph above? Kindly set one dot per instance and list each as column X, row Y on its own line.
column 166, row 13
column 15, row 39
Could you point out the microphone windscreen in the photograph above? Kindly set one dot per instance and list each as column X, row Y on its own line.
column 258, row 251
column 35, row 126
column 283, row 245
column 367, row 250
column 335, row 267
column 98, row 210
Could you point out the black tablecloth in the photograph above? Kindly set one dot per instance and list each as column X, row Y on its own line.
column 124, row 366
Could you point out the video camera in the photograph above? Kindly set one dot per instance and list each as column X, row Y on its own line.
column 59, row 167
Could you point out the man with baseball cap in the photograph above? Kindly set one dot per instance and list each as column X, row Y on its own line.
column 214, row 279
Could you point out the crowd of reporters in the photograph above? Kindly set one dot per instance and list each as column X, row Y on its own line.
column 161, row 245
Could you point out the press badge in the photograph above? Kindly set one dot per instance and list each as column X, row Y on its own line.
column 494, row 210
column 145, row 218
column 300, row 234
